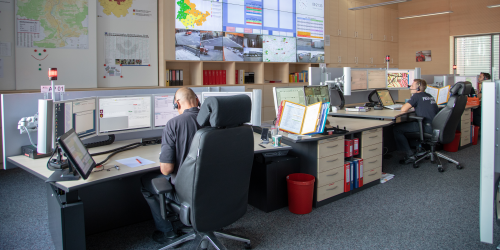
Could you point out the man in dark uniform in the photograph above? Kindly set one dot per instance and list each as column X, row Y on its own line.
column 176, row 141
column 476, row 113
column 425, row 106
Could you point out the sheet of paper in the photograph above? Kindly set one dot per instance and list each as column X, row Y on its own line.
column 5, row 49
column 135, row 161
column 311, row 118
column 432, row 91
column 443, row 95
column 292, row 117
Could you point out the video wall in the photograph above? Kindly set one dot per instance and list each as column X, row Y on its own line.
column 250, row 30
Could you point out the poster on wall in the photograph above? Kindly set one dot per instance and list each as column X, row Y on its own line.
column 424, row 56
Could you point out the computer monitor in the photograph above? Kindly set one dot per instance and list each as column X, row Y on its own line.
column 385, row 97
column 314, row 94
column 77, row 114
column 123, row 114
column 400, row 78
column 291, row 94
column 163, row 109
column 205, row 95
column 77, row 154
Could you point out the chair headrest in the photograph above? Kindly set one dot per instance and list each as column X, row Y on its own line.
column 225, row 111
column 461, row 88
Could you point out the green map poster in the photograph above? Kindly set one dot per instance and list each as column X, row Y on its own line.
column 52, row 24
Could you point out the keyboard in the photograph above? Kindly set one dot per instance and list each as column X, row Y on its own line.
column 394, row 106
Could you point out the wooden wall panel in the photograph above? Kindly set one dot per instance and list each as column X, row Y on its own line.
column 418, row 7
column 471, row 17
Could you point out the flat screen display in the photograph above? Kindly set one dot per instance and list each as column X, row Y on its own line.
column 310, row 50
column 314, row 94
column 385, row 97
column 198, row 15
column 292, row 94
column 77, row 153
column 400, row 78
column 279, row 49
column 124, row 114
column 78, row 114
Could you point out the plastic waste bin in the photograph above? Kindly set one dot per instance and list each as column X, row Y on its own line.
column 453, row 146
column 300, row 193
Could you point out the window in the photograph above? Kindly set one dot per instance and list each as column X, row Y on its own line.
column 476, row 54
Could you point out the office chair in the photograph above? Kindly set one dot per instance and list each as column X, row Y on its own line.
column 444, row 125
column 213, row 182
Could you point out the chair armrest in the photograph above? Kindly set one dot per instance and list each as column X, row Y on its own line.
column 161, row 185
column 435, row 135
column 420, row 125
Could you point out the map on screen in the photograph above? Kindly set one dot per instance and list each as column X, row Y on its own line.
column 279, row 49
column 198, row 15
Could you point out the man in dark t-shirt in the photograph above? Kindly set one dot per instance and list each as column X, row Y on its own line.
column 426, row 107
column 176, row 141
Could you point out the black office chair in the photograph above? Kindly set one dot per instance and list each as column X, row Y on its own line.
column 212, row 183
column 444, row 125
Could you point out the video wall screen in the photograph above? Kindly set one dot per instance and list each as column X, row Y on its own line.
column 234, row 30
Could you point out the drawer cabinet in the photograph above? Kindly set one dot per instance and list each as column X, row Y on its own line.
column 371, row 151
column 465, row 124
column 330, row 176
column 372, row 163
column 372, row 175
column 330, row 147
column 330, row 190
column 371, row 137
column 330, row 162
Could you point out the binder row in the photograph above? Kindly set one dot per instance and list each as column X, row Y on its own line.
column 214, row 77
column 353, row 174
column 175, row 77
column 298, row 77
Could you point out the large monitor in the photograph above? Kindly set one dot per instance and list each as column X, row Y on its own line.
column 400, row 78
column 163, row 109
column 292, row 94
column 77, row 114
column 77, row 154
column 385, row 97
column 314, row 94
column 121, row 114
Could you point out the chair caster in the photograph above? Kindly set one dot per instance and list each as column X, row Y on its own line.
column 248, row 246
column 415, row 165
column 459, row 167
column 450, row 162
column 440, row 169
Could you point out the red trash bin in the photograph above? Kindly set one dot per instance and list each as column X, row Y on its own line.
column 453, row 146
column 476, row 135
column 300, row 193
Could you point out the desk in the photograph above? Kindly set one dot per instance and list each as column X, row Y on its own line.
column 323, row 157
column 77, row 208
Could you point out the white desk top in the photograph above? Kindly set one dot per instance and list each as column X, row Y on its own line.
column 38, row 167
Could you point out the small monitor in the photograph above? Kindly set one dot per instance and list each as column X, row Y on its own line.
column 400, row 78
column 205, row 95
column 123, row 114
column 314, row 94
column 77, row 114
column 77, row 154
column 291, row 94
column 163, row 109
column 385, row 97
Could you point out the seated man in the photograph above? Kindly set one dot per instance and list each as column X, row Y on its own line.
column 176, row 141
column 425, row 106
column 476, row 113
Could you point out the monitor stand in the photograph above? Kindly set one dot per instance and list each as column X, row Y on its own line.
column 68, row 174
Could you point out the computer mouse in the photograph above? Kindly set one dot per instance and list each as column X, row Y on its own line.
column 378, row 107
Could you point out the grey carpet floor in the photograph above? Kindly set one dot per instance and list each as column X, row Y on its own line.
column 418, row 209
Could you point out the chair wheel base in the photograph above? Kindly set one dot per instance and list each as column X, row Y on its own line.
column 440, row 169
column 415, row 165
column 459, row 167
column 248, row 246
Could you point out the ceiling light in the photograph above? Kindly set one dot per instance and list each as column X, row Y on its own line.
column 493, row 6
column 379, row 4
column 430, row 14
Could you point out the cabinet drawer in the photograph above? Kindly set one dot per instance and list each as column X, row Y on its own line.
column 371, row 163
column 466, row 114
column 371, row 151
column 330, row 162
column 375, row 130
column 331, row 190
column 465, row 132
column 371, row 138
column 330, row 148
column 464, row 125
column 330, row 176
column 465, row 140
column 372, row 175
column 338, row 138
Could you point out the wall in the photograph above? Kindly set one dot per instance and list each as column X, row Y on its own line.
column 436, row 33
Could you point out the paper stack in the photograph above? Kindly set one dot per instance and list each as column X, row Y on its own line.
column 386, row 177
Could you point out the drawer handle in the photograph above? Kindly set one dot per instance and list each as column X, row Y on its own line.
column 373, row 161
column 373, row 136
column 373, row 149
column 373, row 174
column 332, row 160
column 333, row 174
column 332, row 146
column 332, row 188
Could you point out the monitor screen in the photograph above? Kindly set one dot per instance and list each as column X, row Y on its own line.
column 316, row 94
column 77, row 153
column 385, row 97
column 124, row 114
column 400, row 78
column 279, row 49
column 292, row 94
column 78, row 114
column 163, row 109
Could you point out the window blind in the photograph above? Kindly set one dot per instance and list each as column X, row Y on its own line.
column 473, row 55
column 496, row 55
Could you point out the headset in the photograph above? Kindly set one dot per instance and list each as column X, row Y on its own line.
column 419, row 82
column 176, row 106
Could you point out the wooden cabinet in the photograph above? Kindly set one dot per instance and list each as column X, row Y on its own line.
column 343, row 54
column 351, row 51
column 359, row 21
column 351, row 20
column 367, row 34
column 387, row 25
column 343, row 9
column 465, row 127
column 394, row 26
column 334, row 50
column 374, row 24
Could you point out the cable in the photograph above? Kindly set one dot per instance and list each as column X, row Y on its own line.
column 32, row 144
column 116, row 152
column 116, row 149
